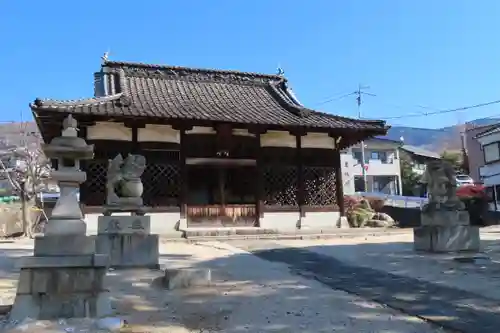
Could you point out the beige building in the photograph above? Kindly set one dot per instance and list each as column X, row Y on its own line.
column 473, row 148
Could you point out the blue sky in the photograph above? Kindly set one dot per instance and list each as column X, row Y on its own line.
column 441, row 54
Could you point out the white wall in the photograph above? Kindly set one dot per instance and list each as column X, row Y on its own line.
column 352, row 168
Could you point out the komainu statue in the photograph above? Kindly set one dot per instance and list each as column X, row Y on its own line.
column 439, row 177
column 124, row 186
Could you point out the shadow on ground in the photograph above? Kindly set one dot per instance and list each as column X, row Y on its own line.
column 245, row 297
column 395, row 275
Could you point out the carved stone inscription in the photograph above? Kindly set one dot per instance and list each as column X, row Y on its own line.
column 124, row 225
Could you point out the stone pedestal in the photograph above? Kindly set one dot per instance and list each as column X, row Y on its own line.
column 127, row 241
column 446, row 231
column 54, row 285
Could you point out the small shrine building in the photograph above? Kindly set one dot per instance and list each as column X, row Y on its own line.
column 223, row 148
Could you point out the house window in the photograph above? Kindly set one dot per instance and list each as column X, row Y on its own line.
column 379, row 155
column 490, row 193
column 383, row 157
column 357, row 156
column 491, row 152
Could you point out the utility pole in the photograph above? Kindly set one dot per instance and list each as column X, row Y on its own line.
column 359, row 93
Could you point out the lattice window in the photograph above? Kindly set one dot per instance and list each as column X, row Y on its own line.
column 280, row 185
column 161, row 183
column 319, row 186
column 93, row 191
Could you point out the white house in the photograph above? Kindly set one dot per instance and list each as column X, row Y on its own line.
column 489, row 173
column 382, row 168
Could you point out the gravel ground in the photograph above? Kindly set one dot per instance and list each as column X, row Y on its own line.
column 248, row 295
column 394, row 254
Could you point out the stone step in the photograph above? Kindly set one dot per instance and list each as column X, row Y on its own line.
column 225, row 232
column 213, row 235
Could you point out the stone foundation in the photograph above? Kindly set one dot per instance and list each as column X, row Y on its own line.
column 187, row 278
column 127, row 241
column 61, row 287
column 453, row 238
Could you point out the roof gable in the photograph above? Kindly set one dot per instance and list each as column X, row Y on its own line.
column 492, row 129
column 420, row 151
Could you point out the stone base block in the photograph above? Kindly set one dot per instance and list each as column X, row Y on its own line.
column 49, row 307
column 129, row 250
column 343, row 223
column 186, row 278
column 60, row 292
column 453, row 238
column 65, row 226
column 445, row 218
column 70, row 245
column 91, row 261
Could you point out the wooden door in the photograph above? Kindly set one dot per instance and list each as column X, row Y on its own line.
column 222, row 196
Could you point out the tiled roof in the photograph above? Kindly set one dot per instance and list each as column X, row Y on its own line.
column 420, row 151
column 166, row 92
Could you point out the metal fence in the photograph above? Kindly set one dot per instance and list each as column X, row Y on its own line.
column 396, row 200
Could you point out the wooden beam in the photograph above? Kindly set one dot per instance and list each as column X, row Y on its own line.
column 256, row 130
column 182, row 126
column 298, row 132
column 129, row 123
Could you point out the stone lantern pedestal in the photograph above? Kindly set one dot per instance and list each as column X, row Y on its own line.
column 126, row 239
column 64, row 278
column 445, row 224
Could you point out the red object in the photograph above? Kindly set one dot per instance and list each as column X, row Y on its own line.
column 366, row 167
column 476, row 191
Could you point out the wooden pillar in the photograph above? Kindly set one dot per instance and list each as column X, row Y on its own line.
column 183, row 179
column 259, row 188
column 135, row 142
column 134, row 126
column 300, row 175
column 339, row 187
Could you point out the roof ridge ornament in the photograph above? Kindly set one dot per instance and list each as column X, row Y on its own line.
column 280, row 71
column 105, row 57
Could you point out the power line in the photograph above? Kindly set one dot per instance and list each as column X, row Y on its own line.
column 442, row 111
column 333, row 99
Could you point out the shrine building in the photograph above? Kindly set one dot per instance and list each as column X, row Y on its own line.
column 223, row 148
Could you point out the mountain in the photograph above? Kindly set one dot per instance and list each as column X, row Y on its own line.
column 437, row 140
column 18, row 134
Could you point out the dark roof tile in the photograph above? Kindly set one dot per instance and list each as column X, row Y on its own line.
column 203, row 94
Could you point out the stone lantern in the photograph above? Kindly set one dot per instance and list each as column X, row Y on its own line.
column 64, row 278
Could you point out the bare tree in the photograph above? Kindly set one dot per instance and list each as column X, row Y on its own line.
column 26, row 167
